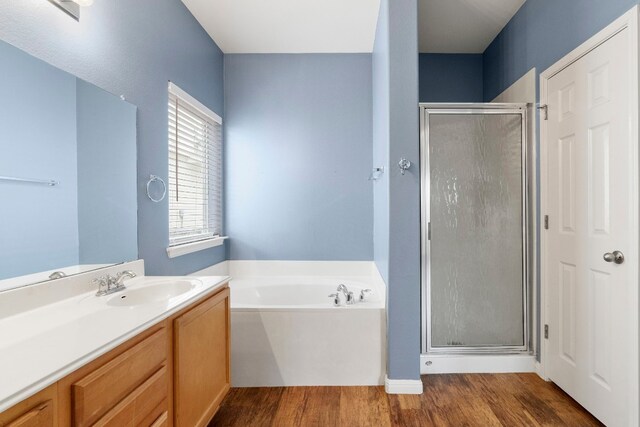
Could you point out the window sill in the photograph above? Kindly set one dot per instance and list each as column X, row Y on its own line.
column 188, row 248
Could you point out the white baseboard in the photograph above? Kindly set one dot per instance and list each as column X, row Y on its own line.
column 540, row 371
column 476, row 364
column 402, row 386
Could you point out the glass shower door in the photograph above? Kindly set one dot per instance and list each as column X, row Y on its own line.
column 476, row 230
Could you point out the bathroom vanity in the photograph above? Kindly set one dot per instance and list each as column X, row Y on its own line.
column 165, row 363
column 73, row 353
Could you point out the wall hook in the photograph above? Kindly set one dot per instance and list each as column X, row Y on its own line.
column 404, row 165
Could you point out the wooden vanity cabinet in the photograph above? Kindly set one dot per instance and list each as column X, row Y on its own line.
column 174, row 373
column 201, row 361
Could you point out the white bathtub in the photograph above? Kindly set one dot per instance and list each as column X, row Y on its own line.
column 285, row 330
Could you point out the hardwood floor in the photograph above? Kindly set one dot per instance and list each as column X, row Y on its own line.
column 448, row 400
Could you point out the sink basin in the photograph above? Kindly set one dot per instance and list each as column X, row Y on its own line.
column 153, row 291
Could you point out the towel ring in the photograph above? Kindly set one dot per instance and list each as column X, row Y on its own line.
column 155, row 178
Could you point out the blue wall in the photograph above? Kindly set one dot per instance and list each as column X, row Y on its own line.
column 451, row 77
column 298, row 155
column 396, row 84
column 107, row 197
column 131, row 47
column 39, row 226
column 542, row 32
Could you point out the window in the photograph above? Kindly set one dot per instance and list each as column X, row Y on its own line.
column 195, row 173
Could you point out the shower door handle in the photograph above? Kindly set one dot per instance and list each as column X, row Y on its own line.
column 616, row 257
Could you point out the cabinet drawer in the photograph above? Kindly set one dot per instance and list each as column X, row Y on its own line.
column 39, row 410
column 142, row 407
column 40, row 416
column 102, row 389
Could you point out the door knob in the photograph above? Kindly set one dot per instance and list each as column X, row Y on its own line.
column 616, row 256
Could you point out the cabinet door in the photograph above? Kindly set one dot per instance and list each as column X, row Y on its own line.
column 201, row 368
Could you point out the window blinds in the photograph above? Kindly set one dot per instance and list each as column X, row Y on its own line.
column 195, row 170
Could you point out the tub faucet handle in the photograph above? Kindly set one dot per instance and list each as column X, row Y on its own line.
column 336, row 299
column 363, row 294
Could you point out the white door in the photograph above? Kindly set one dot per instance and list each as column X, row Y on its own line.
column 590, row 201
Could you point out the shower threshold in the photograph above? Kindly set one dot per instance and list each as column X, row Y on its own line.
column 477, row 363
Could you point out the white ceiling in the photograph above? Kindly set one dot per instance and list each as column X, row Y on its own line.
column 463, row 26
column 288, row 26
column 337, row 26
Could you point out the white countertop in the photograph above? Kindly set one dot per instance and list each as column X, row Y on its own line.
column 40, row 346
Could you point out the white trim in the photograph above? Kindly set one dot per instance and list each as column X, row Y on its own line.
column 540, row 371
column 188, row 248
column 627, row 21
column 402, row 386
column 269, row 268
column 524, row 91
column 219, row 269
column 247, row 268
column 174, row 89
column 476, row 364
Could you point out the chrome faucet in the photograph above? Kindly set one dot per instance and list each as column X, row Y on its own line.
column 109, row 284
column 127, row 274
column 347, row 294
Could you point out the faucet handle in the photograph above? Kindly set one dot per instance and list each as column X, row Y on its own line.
column 336, row 299
column 111, row 280
column 102, row 283
column 363, row 294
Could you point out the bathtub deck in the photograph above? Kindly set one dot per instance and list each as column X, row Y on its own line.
column 448, row 400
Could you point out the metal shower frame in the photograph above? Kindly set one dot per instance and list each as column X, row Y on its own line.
column 427, row 109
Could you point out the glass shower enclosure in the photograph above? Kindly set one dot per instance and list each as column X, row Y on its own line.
column 474, row 228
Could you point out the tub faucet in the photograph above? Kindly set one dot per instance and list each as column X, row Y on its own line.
column 347, row 294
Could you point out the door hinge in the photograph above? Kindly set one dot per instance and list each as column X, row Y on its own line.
column 428, row 231
column 545, row 110
column 546, row 332
column 546, row 222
